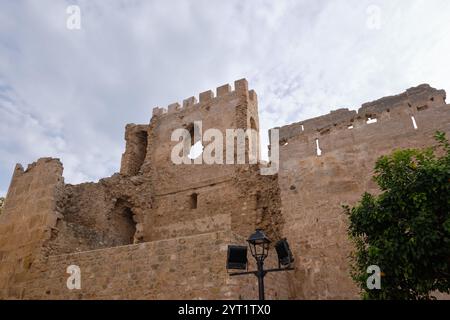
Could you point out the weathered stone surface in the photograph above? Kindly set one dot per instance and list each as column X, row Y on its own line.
column 313, row 187
column 138, row 232
column 157, row 230
column 164, row 269
column 28, row 219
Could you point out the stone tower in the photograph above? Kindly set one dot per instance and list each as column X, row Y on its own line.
column 160, row 230
column 156, row 221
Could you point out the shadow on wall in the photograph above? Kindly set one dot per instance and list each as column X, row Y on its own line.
column 122, row 224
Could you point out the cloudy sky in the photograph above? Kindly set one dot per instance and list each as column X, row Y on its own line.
column 69, row 93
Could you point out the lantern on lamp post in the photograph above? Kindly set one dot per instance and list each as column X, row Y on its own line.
column 259, row 245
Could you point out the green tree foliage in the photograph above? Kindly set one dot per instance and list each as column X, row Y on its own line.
column 406, row 229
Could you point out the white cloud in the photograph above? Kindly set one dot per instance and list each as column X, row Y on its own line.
column 69, row 94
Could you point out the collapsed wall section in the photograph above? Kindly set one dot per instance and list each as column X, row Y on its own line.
column 106, row 214
column 315, row 184
column 136, row 137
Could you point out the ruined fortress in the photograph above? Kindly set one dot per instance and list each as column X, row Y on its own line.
column 157, row 230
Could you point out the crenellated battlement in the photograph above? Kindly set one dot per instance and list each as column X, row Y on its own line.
column 155, row 205
column 240, row 86
column 329, row 161
column 410, row 102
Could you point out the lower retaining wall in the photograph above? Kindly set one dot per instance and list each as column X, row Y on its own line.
column 182, row 268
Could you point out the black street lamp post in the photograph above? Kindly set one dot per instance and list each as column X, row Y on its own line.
column 259, row 245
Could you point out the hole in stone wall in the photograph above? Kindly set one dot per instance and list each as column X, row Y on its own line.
column 371, row 120
column 350, row 126
column 122, row 226
column 414, row 122
column 422, row 108
column 303, row 128
column 196, row 147
column 193, row 201
column 191, row 130
column 325, row 131
column 283, row 142
column 318, row 150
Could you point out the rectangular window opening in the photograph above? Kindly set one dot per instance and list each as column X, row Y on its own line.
column 193, row 201
column 371, row 120
column 318, row 150
column 414, row 122
column 422, row 108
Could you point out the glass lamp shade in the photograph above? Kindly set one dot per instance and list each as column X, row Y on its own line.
column 259, row 244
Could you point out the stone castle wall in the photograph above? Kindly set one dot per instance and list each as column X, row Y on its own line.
column 313, row 187
column 158, row 230
column 28, row 221
column 221, row 202
column 123, row 221
column 181, row 268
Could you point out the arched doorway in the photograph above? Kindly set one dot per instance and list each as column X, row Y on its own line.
column 122, row 226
